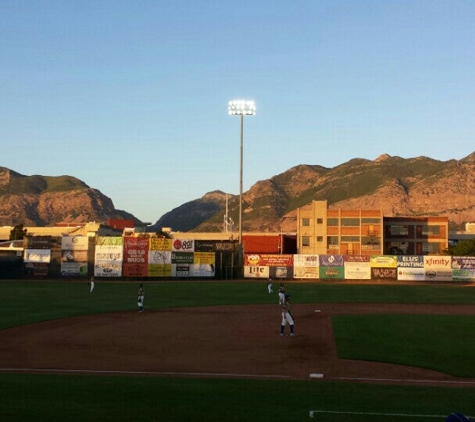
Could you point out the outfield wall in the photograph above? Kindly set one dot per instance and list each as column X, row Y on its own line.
column 143, row 257
column 361, row 267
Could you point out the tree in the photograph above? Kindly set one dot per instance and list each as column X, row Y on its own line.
column 465, row 247
column 18, row 232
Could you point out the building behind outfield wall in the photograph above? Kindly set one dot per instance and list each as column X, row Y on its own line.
column 321, row 230
column 359, row 238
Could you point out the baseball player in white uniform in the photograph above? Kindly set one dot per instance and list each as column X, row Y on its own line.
column 287, row 317
column 269, row 285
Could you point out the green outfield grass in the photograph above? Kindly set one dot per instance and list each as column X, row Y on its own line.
column 51, row 398
column 438, row 342
column 443, row 343
column 29, row 302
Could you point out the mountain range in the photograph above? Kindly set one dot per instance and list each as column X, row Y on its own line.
column 48, row 200
column 419, row 186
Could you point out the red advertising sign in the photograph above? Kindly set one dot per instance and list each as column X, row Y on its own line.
column 269, row 260
column 136, row 257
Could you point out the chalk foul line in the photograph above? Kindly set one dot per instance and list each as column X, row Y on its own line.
column 402, row 415
column 91, row 371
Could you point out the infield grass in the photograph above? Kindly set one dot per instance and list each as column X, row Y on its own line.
column 445, row 343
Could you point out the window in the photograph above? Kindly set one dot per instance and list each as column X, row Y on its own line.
column 305, row 240
column 399, row 230
column 370, row 243
column 350, row 239
column 332, row 222
column 431, row 248
column 332, row 242
column 319, row 238
column 305, row 222
column 431, row 230
column 350, row 222
column 371, row 220
column 319, row 220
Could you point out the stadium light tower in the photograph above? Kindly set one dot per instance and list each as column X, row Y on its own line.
column 241, row 108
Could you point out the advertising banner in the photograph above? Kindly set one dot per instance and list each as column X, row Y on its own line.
column 109, row 253
column 383, row 273
column 204, row 264
column 109, row 241
column 72, row 243
column 465, row 262
column 74, row 259
column 159, row 257
column 38, row 242
column 271, row 260
column 463, row 268
column 410, row 274
column 358, row 270
column 136, row 256
column 281, row 272
column 181, row 270
column 202, row 270
column 183, row 245
column 224, row 246
column 356, row 258
column 438, row 268
column 37, row 255
column 331, row 261
column 108, row 268
column 410, row 261
column 37, row 268
column 256, row 271
column 182, row 257
column 306, row 260
column 160, row 244
column 74, row 268
column 337, row 273
column 160, row 270
column 74, row 256
column 208, row 258
column 135, row 250
column 213, row 246
column 463, row 274
column 383, row 261
column 108, row 257
column 135, row 270
column 306, row 266
column 307, row 272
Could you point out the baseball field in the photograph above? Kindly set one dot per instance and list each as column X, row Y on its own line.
column 212, row 351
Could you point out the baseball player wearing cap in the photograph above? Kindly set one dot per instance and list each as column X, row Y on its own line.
column 287, row 317
column 141, row 298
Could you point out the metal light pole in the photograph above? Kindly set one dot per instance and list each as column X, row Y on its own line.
column 241, row 108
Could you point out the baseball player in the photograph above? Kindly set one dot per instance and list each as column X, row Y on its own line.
column 269, row 285
column 140, row 298
column 287, row 317
column 281, row 294
column 92, row 283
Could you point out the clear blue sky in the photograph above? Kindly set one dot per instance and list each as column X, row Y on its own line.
column 131, row 96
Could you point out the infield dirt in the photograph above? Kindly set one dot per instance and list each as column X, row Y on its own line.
column 231, row 341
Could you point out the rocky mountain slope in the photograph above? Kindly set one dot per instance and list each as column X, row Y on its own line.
column 418, row 186
column 400, row 187
column 45, row 201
